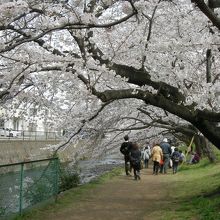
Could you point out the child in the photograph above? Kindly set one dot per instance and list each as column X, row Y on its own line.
column 146, row 156
column 182, row 157
column 175, row 158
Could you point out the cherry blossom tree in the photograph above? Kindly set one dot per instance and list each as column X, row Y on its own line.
column 88, row 59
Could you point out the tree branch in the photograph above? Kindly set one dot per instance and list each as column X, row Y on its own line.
column 208, row 12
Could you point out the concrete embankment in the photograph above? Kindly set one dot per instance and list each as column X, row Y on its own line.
column 13, row 151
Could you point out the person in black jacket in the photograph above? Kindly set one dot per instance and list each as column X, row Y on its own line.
column 135, row 158
column 125, row 150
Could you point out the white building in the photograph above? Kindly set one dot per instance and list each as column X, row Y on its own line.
column 34, row 119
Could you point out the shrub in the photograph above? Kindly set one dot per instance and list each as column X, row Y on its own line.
column 69, row 177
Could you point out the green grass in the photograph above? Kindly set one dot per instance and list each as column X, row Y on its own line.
column 68, row 197
column 194, row 193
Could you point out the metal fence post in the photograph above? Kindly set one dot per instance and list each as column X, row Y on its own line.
column 47, row 182
column 56, row 178
column 21, row 189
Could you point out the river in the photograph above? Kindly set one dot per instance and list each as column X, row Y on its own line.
column 10, row 182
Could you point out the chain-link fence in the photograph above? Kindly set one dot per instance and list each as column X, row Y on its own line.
column 22, row 185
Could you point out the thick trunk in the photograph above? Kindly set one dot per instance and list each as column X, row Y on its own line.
column 209, row 130
column 208, row 12
column 214, row 4
column 203, row 147
column 209, row 151
column 167, row 98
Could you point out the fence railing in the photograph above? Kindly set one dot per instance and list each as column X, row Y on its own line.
column 23, row 185
column 30, row 135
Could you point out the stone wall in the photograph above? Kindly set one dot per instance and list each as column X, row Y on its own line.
column 13, row 151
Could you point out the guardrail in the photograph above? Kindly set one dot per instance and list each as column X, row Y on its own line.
column 26, row 184
column 31, row 135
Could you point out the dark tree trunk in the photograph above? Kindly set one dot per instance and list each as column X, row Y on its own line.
column 204, row 147
column 214, row 3
column 208, row 65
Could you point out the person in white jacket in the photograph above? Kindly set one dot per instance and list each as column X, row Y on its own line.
column 146, row 156
column 172, row 149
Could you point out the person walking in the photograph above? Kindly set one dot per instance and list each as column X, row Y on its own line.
column 176, row 159
column 165, row 146
column 125, row 150
column 146, row 156
column 172, row 149
column 157, row 156
column 182, row 157
column 135, row 158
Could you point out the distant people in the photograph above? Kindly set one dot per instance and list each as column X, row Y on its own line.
column 165, row 146
column 157, row 156
column 125, row 150
column 135, row 159
column 172, row 149
column 176, row 159
column 146, row 153
column 196, row 158
column 182, row 157
column 191, row 158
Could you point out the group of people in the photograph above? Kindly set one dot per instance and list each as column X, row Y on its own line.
column 163, row 156
column 195, row 158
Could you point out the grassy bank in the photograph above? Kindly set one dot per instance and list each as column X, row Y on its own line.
column 194, row 193
column 191, row 194
column 69, row 197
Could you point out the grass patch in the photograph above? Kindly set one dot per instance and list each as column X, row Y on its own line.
column 194, row 193
column 201, row 165
column 67, row 198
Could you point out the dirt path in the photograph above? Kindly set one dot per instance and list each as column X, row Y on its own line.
column 121, row 198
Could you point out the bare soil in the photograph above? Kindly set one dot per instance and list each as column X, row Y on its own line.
column 121, row 198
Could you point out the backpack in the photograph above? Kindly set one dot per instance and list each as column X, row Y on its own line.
column 181, row 158
column 146, row 155
column 176, row 158
column 125, row 149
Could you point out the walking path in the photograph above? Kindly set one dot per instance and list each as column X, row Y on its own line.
column 119, row 199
